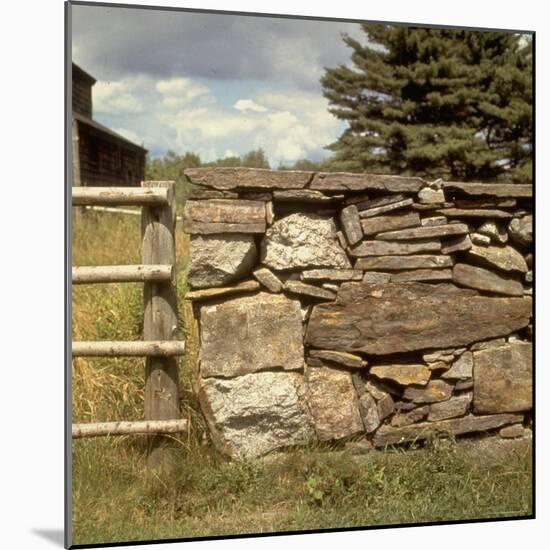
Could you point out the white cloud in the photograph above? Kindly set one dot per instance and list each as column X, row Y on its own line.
column 229, row 153
column 129, row 134
column 179, row 92
column 249, row 105
column 116, row 97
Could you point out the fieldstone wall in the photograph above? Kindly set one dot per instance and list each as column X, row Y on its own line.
column 332, row 305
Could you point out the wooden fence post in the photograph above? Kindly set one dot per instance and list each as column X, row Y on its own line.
column 160, row 320
column 76, row 178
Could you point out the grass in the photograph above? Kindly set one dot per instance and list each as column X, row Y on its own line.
column 116, row 499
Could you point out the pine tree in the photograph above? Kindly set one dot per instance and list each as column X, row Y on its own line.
column 435, row 103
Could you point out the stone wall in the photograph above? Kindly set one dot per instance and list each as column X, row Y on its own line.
column 333, row 305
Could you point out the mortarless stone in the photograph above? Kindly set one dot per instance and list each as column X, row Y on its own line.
column 248, row 178
column 505, row 258
column 296, row 287
column 251, row 334
column 269, row 213
column 432, row 221
column 333, row 403
column 462, row 385
column 503, row 378
column 388, row 435
column 221, row 292
column 425, row 232
column 529, row 277
column 461, row 369
column 387, row 248
column 380, row 201
column 504, row 190
column 340, row 357
column 485, row 203
column 345, row 181
column 199, row 193
column 494, row 343
column 459, row 244
column 302, row 241
column 381, row 319
column 377, row 210
column 512, row 432
column 495, row 233
column 386, row 406
column 341, row 239
column 521, row 230
column 368, row 409
column 379, row 224
column 224, row 216
column 474, row 213
column 351, row 224
column 478, row 238
column 250, row 415
column 400, row 263
column 305, row 195
column 422, row 275
column 431, row 196
column 216, row 260
column 332, row 275
column 453, row 407
column 268, row 279
column 436, row 390
column 445, row 356
column 402, row 374
column 484, row 279
column 375, row 277
column 407, row 418
column 426, row 207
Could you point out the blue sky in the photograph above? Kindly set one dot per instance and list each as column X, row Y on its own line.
column 214, row 84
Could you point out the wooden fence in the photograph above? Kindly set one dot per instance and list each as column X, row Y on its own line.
column 160, row 345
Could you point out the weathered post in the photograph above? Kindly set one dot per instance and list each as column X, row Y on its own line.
column 160, row 320
column 76, row 178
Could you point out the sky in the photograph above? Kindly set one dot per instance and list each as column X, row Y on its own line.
column 215, row 84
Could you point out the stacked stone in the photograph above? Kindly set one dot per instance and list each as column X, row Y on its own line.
column 336, row 304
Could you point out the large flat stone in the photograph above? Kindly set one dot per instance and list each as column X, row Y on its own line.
column 475, row 213
column 248, row 178
column 268, row 279
column 483, row 279
column 388, row 435
column 216, row 260
column 391, row 207
column 505, row 258
column 422, row 275
column 345, row 181
column 390, row 318
column 425, row 232
column 453, row 407
column 251, row 334
column 250, row 415
column 302, row 241
column 503, row 378
column 224, row 216
column 331, row 275
column 221, row 292
column 398, row 263
column 340, row 357
column 504, row 190
column 402, row 374
column 305, row 195
column 333, row 403
column 379, row 224
column 388, row 248
column 297, row 287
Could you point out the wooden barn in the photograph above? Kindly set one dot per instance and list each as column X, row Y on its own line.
column 101, row 157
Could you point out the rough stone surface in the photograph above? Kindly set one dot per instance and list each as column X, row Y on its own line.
column 268, row 279
column 377, row 210
column 351, row 224
column 410, row 417
column 422, row 275
column 485, row 203
column 342, row 358
column 521, row 230
column 505, row 258
column 478, row 238
column 224, row 216
column 399, row 263
column 379, row 224
column 496, row 233
column 493, row 343
column 484, row 279
column 256, row 413
column 220, row 292
column 248, row 178
column 251, row 334
column 503, row 378
column 474, row 213
column 461, row 369
column 402, row 374
column 386, row 406
column 302, row 241
column 505, row 190
column 462, row 385
column 425, row 232
column 375, row 277
column 369, row 412
column 453, row 407
column 387, row 248
column 216, row 260
column 331, row 275
column 380, row 201
column 297, row 287
column 388, row 435
column 436, row 390
column 431, row 196
column 434, row 220
column 345, row 181
column 512, row 432
column 390, row 318
column 458, row 244
column 305, row 195
column 333, row 403
column 442, row 355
